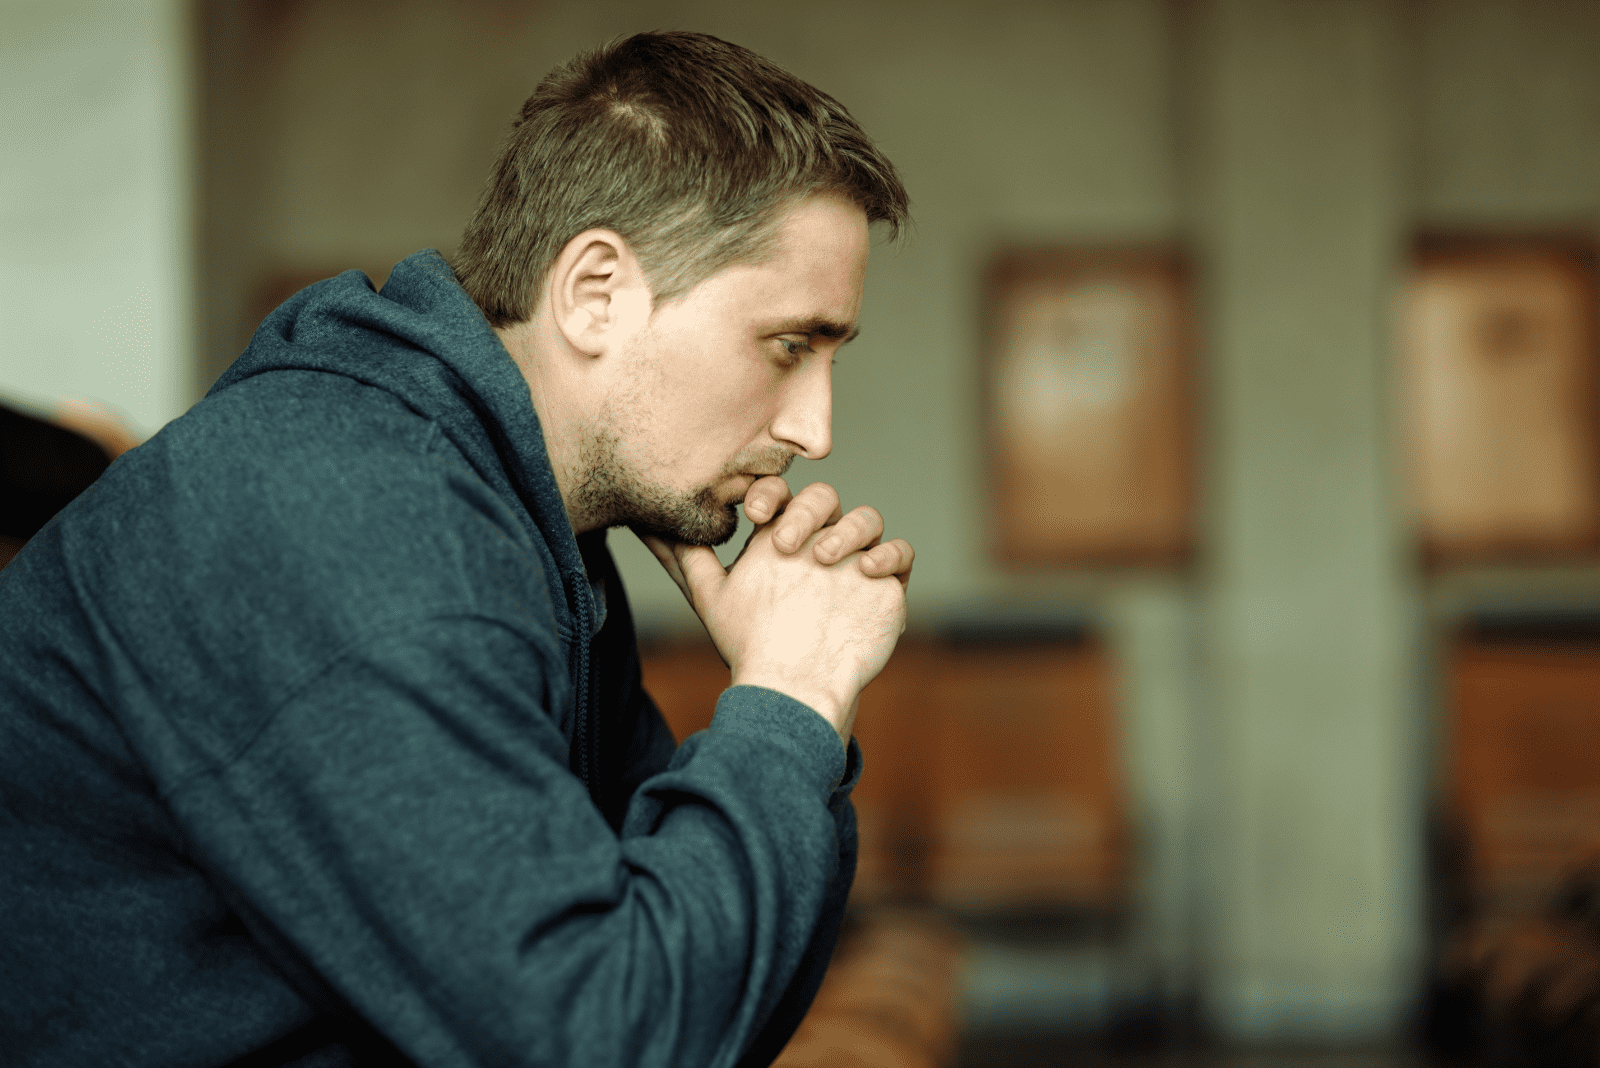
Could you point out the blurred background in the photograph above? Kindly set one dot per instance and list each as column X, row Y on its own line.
column 1237, row 387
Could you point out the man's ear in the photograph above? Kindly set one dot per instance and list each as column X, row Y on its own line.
column 597, row 292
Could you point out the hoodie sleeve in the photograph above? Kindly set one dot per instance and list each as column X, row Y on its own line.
column 406, row 825
column 802, row 990
column 641, row 745
column 644, row 747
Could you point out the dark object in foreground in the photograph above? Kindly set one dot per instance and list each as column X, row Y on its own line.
column 42, row 467
column 1524, row 989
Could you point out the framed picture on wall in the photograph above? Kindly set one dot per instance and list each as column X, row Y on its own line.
column 1500, row 371
column 1089, row 407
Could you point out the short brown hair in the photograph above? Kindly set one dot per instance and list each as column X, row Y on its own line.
column 686, row 145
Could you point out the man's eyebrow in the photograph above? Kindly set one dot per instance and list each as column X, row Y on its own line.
column 843, row 333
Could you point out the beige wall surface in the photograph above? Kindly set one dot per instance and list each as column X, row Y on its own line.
column 1505, row 110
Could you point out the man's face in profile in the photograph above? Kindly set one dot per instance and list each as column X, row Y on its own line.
column 730, row 381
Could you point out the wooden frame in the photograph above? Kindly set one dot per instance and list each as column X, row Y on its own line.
column 1089, row 408
column 1500, row 367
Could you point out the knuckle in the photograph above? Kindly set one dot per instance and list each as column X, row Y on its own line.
column 821, row 496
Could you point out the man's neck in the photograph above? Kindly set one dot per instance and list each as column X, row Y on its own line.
column 561, row 416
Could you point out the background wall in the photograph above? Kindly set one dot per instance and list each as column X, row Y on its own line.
column 1277, row 729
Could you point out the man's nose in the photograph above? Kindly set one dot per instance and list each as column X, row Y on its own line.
column 805, row 420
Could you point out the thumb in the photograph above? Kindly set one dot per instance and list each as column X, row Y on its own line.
column 702, row 572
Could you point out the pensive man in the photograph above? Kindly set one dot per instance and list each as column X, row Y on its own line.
column 322, row 739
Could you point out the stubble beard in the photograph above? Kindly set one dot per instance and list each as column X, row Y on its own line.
column 613, row 494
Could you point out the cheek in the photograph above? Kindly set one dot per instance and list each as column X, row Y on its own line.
column 731, row 409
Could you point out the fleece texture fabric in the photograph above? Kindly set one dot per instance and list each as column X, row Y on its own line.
column 322, row 742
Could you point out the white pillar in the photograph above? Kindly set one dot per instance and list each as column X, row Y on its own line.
column 1153, row 623
column 95, row 205
column 1312, row 907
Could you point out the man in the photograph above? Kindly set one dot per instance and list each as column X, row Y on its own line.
column 321, row 733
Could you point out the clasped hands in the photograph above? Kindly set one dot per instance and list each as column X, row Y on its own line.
column 814, row 604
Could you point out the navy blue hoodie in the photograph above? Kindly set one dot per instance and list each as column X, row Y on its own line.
column 322, row 742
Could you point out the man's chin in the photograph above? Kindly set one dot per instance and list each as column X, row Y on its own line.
column 706, row 526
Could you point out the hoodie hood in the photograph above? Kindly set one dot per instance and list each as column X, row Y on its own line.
column 423, row 340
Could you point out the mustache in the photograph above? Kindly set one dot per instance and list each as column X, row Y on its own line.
column 762, row 462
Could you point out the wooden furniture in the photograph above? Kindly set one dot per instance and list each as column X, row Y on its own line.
column 1523, row 770
column 1519, row 964
column 889, row 1000
column 1087, row 386
column 1499, row 364
column 992, row 776
column 1023, row 779
column 684, row 678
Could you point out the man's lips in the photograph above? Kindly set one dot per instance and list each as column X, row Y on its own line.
column 744, row 480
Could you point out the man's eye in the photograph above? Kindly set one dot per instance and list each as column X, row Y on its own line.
column 794, row 348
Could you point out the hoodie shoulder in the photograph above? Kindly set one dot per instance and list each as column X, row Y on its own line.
column 370, row 456
column 340, row 479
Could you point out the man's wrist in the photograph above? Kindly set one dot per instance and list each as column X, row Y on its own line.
column 830, row 706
